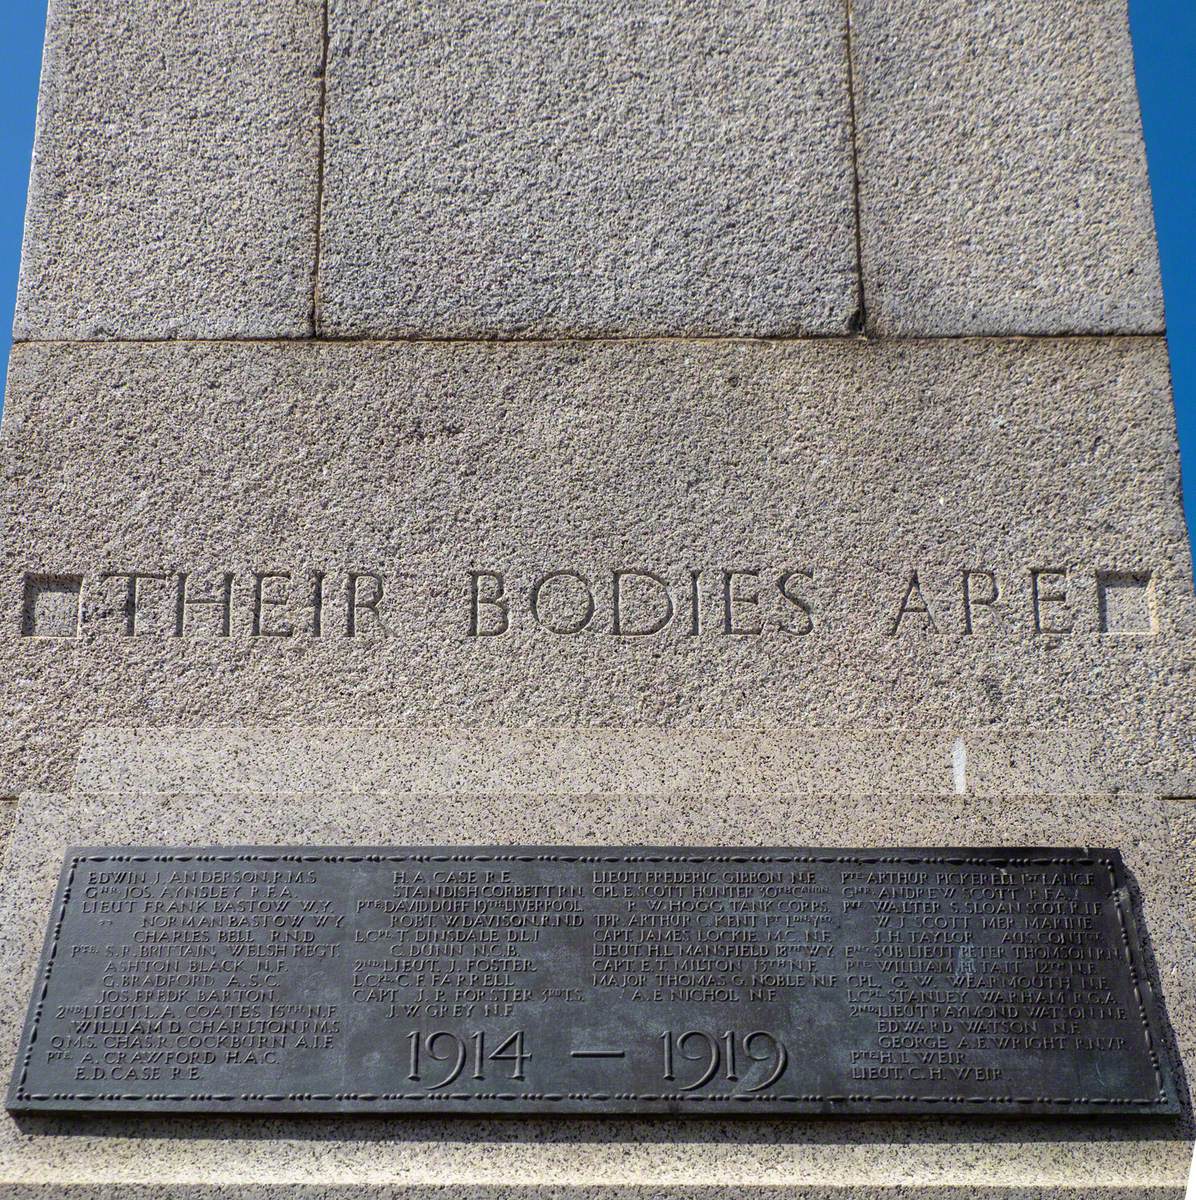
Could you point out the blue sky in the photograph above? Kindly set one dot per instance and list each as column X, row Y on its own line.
column 1164, row 51
column 22, row 25
column 1164, row 46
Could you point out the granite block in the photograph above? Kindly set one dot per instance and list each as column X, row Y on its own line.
column 297, row 1190
column 8, row 808
column 481, row 759
column 692, row 591
column 631, row 1191
column 587, row 168
column 1003, row 184
column 425, row 1157
column 173, row 187
column 1183, row 830
column 433, row 534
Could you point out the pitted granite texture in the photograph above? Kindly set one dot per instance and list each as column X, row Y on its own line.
column 8, row 807
column 481, row 759
column 1003, row 184
column 595, row 1191
column 587, row 168
column 417, row 1157
column 174, row 178
column 598, row 1191
column 848, row 509
column 1183, row 832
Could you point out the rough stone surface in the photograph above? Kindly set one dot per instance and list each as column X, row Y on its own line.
column 1183, row 831
column 597, row 1191
column 478, row 760
column 173, row 189
column 413, row 1157
column 945, row 587
column 8, row 807
column 841, row 467
column 589, row 168
column 1003, row 185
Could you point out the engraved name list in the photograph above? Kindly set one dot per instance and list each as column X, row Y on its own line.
column 591, row 979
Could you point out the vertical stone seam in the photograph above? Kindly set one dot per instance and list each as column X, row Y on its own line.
column 321, row 141
column 859, row 321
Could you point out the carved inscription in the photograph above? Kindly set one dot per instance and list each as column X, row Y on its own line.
column 753, row 601
column 590, row 980
column 636, row 603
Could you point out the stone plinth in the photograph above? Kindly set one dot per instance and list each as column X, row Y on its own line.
column 418, row 1157
column 825, row 535
column 594, row 423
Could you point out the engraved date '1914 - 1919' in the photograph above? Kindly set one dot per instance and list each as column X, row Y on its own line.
column 592, row 979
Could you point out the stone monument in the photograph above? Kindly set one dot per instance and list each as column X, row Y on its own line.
column 575, row 424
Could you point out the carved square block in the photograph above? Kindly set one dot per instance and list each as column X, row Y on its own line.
column 1127, row 603
column 51, row 606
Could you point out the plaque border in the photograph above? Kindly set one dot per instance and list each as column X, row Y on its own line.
column 1165, row 1102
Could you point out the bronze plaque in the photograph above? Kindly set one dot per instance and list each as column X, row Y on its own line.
column 593, row 980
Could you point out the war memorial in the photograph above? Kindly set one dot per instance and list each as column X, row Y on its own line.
column 594, row 603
